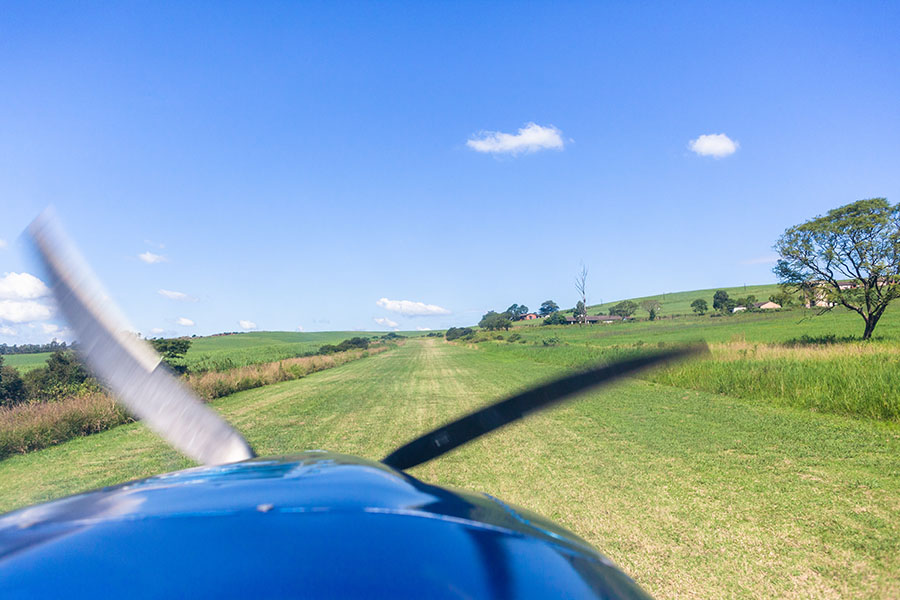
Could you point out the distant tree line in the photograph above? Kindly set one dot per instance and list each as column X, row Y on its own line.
column 32, row 348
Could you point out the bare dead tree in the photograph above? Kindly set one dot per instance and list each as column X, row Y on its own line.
column 580, row 285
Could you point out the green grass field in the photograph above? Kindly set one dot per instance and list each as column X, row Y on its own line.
column 694, row 494
column 229, row 351
column 26, row 362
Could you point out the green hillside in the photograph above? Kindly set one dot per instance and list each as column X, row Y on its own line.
column 679, row 303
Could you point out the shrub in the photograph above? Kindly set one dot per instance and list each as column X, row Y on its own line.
column 455, row 333
column 12, row 388
column 555, row 319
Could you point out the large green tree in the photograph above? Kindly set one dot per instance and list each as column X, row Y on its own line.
column 548, row 307
column 699, row 306
column 850, row 257
column 624, row 309
column 172, row 351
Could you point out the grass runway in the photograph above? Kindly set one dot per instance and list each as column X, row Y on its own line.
column 695, row 495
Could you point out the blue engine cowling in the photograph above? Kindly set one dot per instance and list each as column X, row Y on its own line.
column 313, row 525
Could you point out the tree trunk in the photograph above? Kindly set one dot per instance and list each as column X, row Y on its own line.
column 870, row 326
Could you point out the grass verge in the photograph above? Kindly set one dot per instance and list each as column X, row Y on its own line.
column 30, row 427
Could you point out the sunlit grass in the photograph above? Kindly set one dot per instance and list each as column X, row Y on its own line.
column 693, row 494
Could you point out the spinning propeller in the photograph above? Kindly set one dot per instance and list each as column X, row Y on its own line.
column 142, row 382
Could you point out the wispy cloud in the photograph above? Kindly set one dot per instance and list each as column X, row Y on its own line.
column 423, row 328
column 5, row 330
column 769, row 259
column 717, row 145
column 530, row 138
column 385, row 322
column 173, row 295
column 184, row 322
column 49, row 327
column 246, row 324
column 2, row 244
column 299, row 327
column 150, row 258
column 410, row 308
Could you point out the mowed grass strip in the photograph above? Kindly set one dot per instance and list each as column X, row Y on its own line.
column 695, row 495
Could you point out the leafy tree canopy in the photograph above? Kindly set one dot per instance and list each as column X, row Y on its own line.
column 516, row 311
column 624, row 309
column 12, row 388
column 172, row 351
column 493, row 320
column 652, row 307
column 548, row 307
column 580, row 312
column 850, row 257
column 720, row 300
column 699, row 306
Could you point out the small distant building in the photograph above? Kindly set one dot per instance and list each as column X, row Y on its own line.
column 529, row 317
column 596, row 319
column 738, row 309
column 766, row 305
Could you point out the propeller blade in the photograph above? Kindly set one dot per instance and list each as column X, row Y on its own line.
column 464, row 430
column 126, row 364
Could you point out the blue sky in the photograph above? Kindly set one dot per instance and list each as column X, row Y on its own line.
column 295, row 163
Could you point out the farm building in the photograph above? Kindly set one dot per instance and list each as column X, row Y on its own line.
column 766, row 305
column 758, row 306
column 529, row 317
column 596, row 319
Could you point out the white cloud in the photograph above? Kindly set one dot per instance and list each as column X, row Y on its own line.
column 22, row 286
column 410, row 308
column 423, row 328
column 49, row 327
column 717, row 145
column 184, row 321
column 157, row 330
column 770, row 259
column 2, row 246
column 150, row 258
column 247, row 324
column 16, row 311
column 173, row 295
column 4, row 330
column 385, row 322
column 530, row 138
column 299, row 327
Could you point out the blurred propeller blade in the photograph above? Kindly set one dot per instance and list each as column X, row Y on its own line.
column 464, row 430
column 126, row 364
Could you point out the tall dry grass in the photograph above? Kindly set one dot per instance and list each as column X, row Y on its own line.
column 30, row 427
column 213, row 384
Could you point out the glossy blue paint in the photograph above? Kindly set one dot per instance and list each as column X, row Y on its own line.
column 317, row 524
